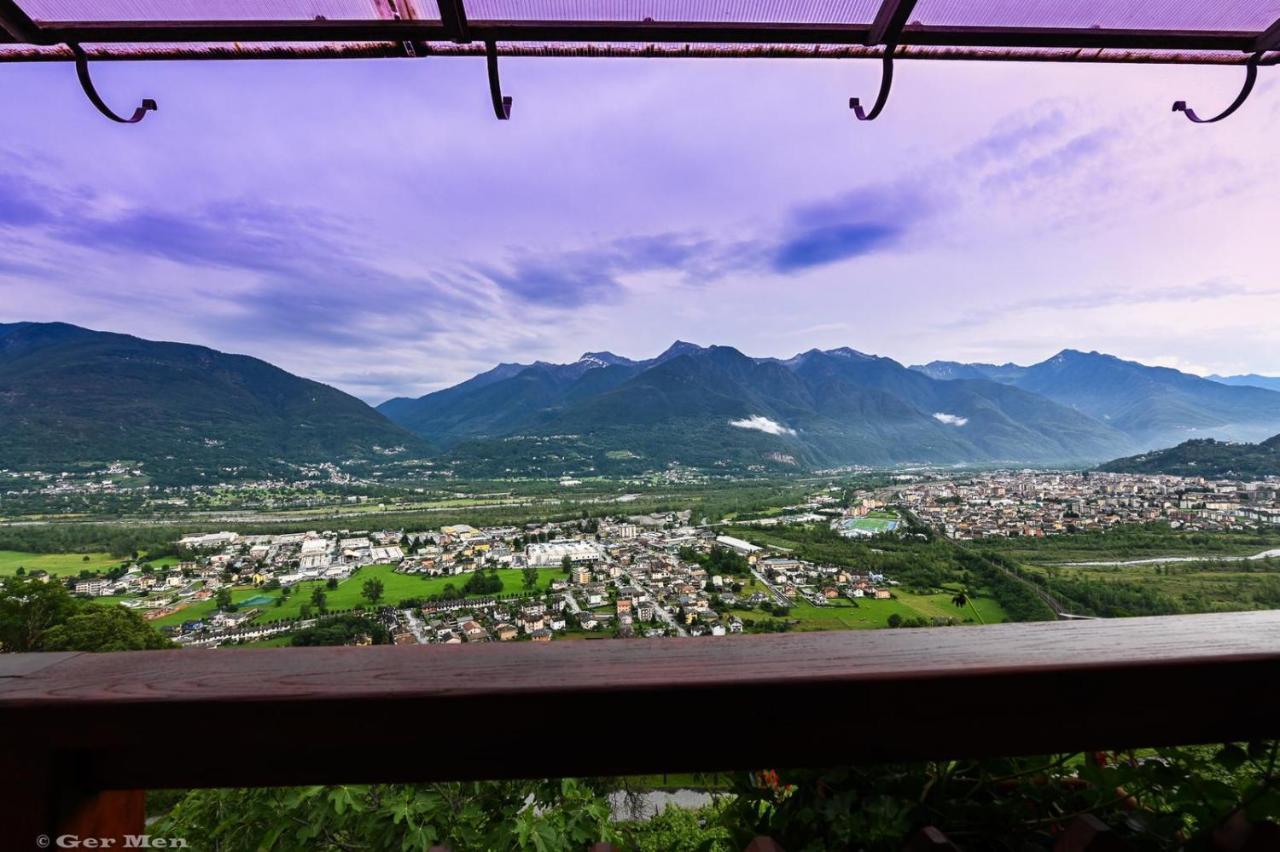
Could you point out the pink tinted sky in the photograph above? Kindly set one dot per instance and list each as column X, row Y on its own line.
column 370, row 224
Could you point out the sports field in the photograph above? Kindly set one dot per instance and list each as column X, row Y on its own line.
column 872, row 524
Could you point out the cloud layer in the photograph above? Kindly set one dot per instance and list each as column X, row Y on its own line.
column 760, row 423
column 367, row 224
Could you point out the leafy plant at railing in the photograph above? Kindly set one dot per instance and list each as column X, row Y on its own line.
column 680, row 830
column 537, row 815
column 1175, row 798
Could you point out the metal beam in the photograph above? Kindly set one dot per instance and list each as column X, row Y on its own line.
column 890, row 20
column 17, row 25
column 207, row 51
column 605, row 32
column 1269, row 40
column 453, row 15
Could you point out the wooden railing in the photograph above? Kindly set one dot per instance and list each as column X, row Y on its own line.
column 83, row 733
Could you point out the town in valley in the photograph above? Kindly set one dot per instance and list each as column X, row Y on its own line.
column 654, row 574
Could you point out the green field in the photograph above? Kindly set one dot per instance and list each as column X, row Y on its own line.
column 201, row 609
column 1171, row 588
column 281, row 641
column 874, row 522
column 65, row 564
column 843, row 614
column 1131, row 542
column 55, row 563
column 398, row 587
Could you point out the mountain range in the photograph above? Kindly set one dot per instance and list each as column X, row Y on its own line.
column 1252, row 380
column 70, row 397
column 716, row 405
column 1206, row 457
column 1154, row 406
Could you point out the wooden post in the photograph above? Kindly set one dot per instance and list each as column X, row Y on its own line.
column 43, row 800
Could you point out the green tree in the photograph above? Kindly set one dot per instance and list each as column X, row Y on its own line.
column 344, row 630
column 531, row 577
column 319, row 599
column 29, row 608
column 222, row 598
column 372, row 590
column 566, row 564
column 104, row 628
column 331, row 583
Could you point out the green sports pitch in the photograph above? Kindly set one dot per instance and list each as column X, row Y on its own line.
column 870, row 525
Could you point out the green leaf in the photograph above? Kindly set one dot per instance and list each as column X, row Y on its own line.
column 1265, row 805
column 1231, row 757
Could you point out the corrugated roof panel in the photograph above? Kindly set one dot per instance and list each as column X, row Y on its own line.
column 1166, row 15
column 225, row 10
column 690, row 11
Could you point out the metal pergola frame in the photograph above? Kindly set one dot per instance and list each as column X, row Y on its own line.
column 889, row 36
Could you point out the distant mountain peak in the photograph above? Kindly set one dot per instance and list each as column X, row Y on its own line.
column 843, row 352
column 846, row 352
column 1248, row 380
column 603, row 359
column 675, row 350
column 1077, row 355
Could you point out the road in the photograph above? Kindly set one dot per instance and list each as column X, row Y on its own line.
column 1165, row 560
column 778, row 596
column 416, row 626
column 663, row 613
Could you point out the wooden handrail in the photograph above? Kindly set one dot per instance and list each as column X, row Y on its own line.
column 281, row 716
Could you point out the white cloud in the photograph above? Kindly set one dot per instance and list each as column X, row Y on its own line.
column 762, row 424
column 950, row 419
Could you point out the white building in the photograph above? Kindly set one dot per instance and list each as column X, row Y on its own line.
column 554, row 552
column 736, row 544
column 209, row 540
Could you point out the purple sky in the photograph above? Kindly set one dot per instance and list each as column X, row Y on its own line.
column 369, row 224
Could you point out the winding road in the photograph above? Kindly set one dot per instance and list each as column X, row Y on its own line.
column 1274, row 553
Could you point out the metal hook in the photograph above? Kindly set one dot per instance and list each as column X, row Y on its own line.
column 86, row 83
column 886, row 82
column 501, row 104
column 1250, row 77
